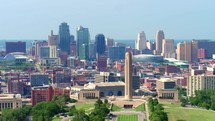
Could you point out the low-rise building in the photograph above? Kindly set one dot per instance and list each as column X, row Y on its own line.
column 107, row 88
column 88, row 94
column 10, row 101
column 166, row 90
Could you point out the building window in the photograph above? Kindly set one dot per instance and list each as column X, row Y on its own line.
column 102, row 94
column 110, row 93
column 119, row 93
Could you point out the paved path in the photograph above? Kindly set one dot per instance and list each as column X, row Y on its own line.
column 147, row 111
column 141, row 115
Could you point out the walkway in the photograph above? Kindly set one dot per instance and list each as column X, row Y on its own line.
column 141, row 115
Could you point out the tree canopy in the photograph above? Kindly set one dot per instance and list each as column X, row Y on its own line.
column 204, row 99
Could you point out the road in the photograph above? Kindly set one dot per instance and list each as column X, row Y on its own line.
column 141, row 115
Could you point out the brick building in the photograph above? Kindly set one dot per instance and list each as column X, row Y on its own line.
column 46, row 93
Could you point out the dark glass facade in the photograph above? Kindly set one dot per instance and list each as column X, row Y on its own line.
column 15, row 47
column 208, row 46
column 100, row 44
column 64, row 36
column 116, row 53
column 169, row 85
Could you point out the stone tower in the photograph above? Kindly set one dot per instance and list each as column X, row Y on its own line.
column 128, row 76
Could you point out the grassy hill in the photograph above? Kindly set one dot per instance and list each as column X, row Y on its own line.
column 177, row 113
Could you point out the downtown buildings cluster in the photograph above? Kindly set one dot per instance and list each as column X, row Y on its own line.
column 86, row 70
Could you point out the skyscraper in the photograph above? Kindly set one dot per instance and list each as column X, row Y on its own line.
column 64, row 37
column 109, row 42
column 194, row 51
column 53, row 40
column 128, row 76
column 168, row 48
column 92, row 54
column 116, row 53
column 159, row 37
column 188, row 51
column 207, row 45
column 72, row 45
column 101, row 61
column 38, row 45
column 180, row 51
column 141, row 41
column 100, row 44
column 82, row 45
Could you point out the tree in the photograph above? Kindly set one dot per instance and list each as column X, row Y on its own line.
column 18, row 114
column 61, row 100
column 98, row 103
column 106, row 101
column 204, row 99
column 72, row 111
column 100, row 111
column 155, row 101
column 44, row 111
column 80, row 115
column 157, row 113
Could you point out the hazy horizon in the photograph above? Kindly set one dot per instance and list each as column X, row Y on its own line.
column 21, row 19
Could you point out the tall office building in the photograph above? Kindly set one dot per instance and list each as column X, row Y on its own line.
column 187, row 51
column 101, row 61
column 82, row 45
column 150, row 45
column 53, row 40
column 201, row 53
column 64, row 37
column 180, row 51
column 100, row 44
column 116, row 53
column 207, row 45
column 141, row 41
column 92, row 54
column 200, row 82
column 38, row 45
column 159, row 38
column 109, row 42
column 15, row 47
column 128, row 76
column 168, row 48
column 194, row 51
column 72, row 45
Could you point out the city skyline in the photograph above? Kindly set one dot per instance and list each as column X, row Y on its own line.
column 178, row 19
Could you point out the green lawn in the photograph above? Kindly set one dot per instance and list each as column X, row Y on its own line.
column 87, row 107
column 176, row 112
column 127, row 118
column 140, row 108
column 115, row 108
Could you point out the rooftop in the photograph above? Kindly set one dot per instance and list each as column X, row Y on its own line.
column 9, row 96
column 165, row 79
column 103, row 84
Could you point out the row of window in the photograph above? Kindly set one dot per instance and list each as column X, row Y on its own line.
column 89, row 95
column 167, row 94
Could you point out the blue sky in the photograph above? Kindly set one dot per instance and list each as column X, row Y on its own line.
column 118, row 19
